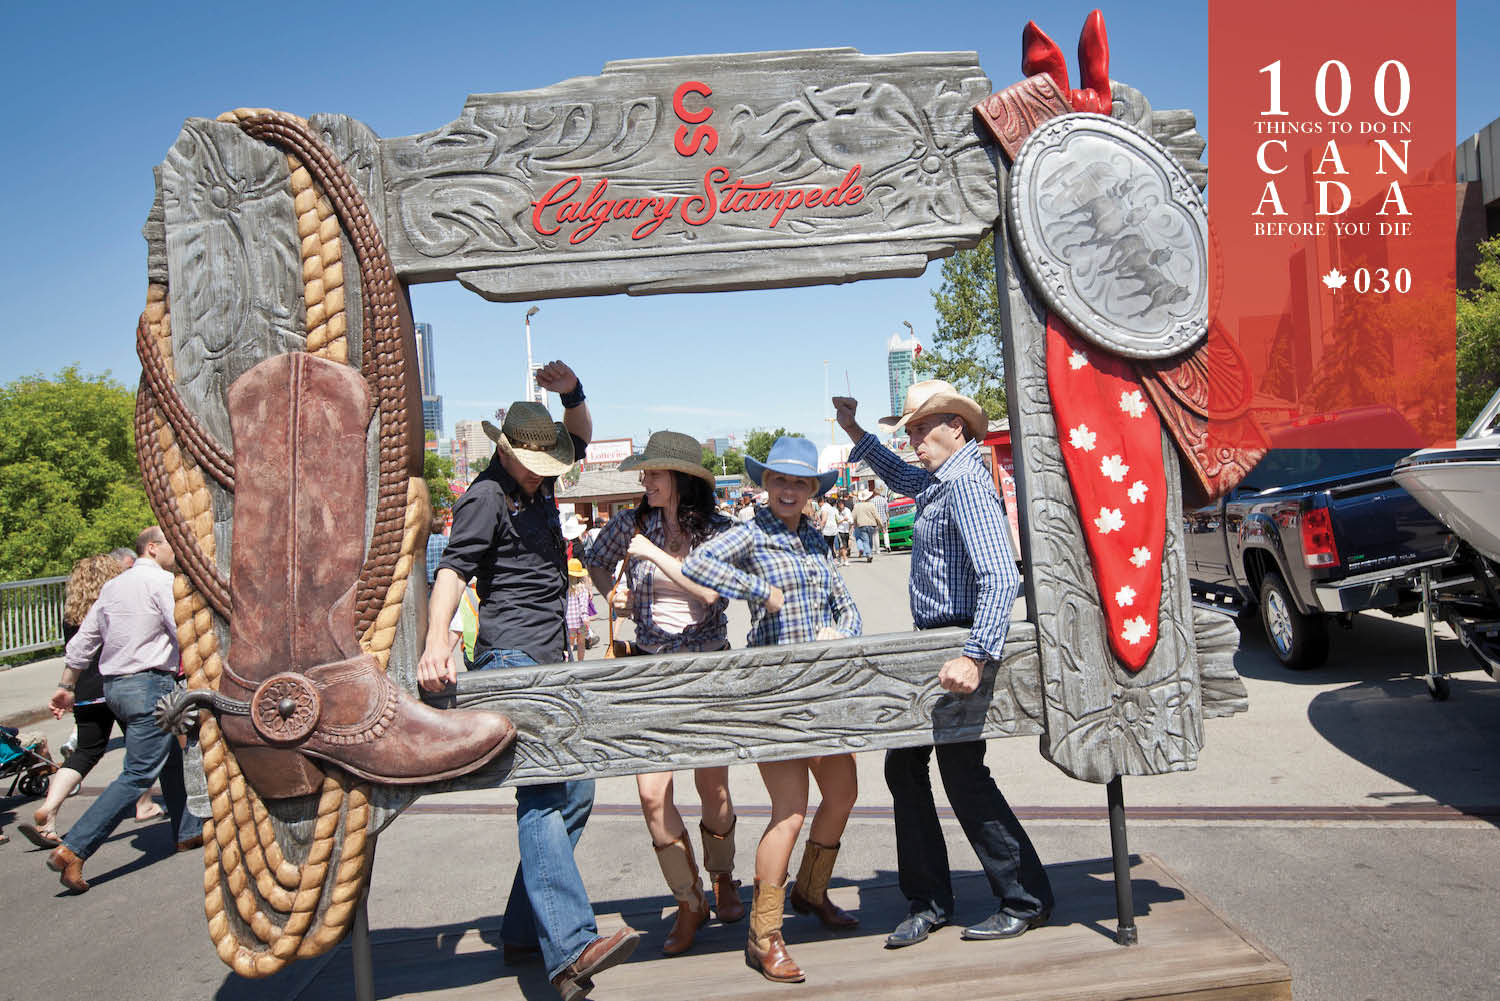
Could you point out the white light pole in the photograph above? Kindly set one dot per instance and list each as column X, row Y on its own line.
column 527, row 392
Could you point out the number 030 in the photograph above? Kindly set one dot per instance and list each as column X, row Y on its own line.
column 1382, row 280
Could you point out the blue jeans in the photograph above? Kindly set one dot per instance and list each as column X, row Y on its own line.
column 864, row 535
column 548, row 905
column 149, row 753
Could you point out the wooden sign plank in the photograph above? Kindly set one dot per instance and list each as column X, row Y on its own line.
column 699, row 173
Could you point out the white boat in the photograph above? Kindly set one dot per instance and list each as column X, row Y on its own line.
column 1461, row 485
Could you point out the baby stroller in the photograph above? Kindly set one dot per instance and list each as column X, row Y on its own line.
column 29, row 770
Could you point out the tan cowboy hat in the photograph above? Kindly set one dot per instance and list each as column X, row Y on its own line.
column 934, row 396
column 534, row 439
column 671, row 450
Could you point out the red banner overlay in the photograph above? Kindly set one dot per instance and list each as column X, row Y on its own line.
column 1332, row 202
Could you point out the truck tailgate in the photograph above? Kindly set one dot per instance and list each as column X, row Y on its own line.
column 1377, row 525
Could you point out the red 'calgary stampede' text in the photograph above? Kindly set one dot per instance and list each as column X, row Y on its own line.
column 719, row 195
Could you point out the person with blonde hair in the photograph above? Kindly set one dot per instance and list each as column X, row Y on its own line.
column 782, row 565
column 92, row 718
column 132, row 630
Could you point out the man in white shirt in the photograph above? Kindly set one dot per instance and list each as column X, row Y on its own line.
column 133, row 628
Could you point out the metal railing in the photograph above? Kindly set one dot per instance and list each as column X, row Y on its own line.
column 31, row 615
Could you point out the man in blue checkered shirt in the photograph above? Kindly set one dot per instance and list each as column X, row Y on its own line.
column 962, row 574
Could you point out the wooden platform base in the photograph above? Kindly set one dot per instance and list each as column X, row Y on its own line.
column 1187, row 952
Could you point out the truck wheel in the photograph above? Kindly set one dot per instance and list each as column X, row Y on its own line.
column 1299, row 641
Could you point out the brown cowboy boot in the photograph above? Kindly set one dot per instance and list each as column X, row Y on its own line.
column 765, row 950
column 677, row 865
column 718, row 859
column 299, row 425
column 69, row 867
column 810, row 892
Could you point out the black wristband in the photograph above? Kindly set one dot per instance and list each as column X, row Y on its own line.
column 574, row 398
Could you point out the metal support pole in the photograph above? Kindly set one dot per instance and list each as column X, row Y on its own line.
column 1125, row 931
column 359, row 947
column 359, row 941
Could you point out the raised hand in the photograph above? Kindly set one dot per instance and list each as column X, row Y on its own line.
column 843, row 412
column 557, row 377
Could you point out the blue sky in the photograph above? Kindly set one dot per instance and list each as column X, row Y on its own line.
column 95, row 94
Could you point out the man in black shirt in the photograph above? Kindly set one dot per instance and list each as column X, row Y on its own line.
column 507, row 536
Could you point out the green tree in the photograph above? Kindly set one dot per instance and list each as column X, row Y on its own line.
column 758, row 442
column 437, row 471
column 732, row 464
column 69, row 483
column 966, row 347
column 1479, row 336
column 480, row 464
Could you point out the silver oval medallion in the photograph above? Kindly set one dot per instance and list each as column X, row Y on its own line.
column 1112, row 232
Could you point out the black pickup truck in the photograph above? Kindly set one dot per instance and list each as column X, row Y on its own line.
column 1313, row 535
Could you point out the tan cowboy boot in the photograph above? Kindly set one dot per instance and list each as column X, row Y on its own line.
column 718, row 859
column 810, row 892
column 677, row 865
column 305, row 687
column 765, row 950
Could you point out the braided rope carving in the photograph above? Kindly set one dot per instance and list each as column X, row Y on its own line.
column 243, row 862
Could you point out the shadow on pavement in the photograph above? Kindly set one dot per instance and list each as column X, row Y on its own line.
column 1377, row 648
column 1449, row 751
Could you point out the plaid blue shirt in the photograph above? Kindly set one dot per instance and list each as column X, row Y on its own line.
column 962, row 571
column 611, row 547
column 747, row 559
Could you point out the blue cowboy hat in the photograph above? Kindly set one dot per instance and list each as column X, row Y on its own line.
column 792, row 457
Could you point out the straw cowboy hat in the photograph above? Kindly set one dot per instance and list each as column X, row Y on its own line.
column 792, row 457
column 531, row 437
column 934, row 396
column 671, row 450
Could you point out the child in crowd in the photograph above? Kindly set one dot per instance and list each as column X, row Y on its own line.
column 580, row 608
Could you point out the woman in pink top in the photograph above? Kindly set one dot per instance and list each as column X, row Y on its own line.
column 674, row 615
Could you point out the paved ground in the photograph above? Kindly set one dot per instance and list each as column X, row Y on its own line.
column 1346, row 821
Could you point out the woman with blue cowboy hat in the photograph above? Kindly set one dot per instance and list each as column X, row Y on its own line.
column 779, row 563
column 674, row 615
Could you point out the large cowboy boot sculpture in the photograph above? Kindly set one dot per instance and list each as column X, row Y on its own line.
column 307, row 690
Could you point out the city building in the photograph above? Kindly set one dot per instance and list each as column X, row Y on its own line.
column 901, row 352
column 470, row 439
column 534, row 392
column 432, row 403
column 1478, row 197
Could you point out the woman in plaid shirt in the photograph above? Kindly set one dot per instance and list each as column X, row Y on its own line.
column 674, row 615
column 780, row 564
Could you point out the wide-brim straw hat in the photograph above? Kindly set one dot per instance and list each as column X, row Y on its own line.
column 531, row 437
column 575, row 568
column 792, row 457
column 671, row 450
column 934, row 396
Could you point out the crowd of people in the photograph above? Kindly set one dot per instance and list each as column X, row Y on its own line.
column 122, row 656
column 672, row 564
column 513, row 585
